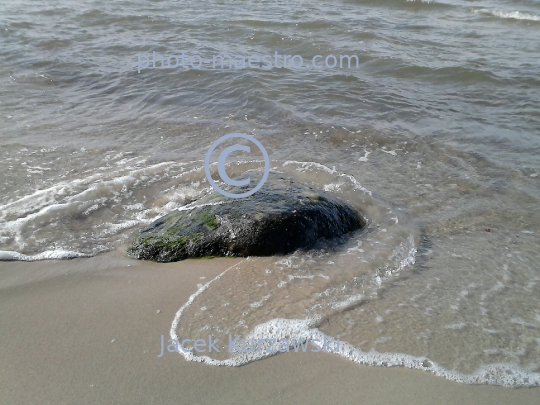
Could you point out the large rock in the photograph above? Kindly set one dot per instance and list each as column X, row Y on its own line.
column 281, row 217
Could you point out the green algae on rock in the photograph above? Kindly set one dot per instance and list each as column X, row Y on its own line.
column 281, row 217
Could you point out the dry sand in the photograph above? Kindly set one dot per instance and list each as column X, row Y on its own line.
column 87, row 331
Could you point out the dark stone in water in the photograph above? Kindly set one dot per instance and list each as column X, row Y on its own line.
column 281, row 217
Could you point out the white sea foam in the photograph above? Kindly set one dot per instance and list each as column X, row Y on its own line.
column 365, row 157
column 516, row 15
column 78, row 195
column 390, row 152
column 507, row 375
column 36, row 221
column 304, row 166
column 48, row 255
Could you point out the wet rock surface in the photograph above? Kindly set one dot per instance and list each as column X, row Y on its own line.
column 281, row 217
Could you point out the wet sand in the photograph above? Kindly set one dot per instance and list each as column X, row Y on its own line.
column 88, row 331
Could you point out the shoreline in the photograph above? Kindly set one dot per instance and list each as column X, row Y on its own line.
column 87, row 331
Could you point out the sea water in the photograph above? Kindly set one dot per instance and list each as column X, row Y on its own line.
column 434, row 136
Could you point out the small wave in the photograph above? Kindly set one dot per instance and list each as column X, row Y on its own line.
column 97, row 212
column 303, row 166
column 508, row 375
column 516, row 15
column 10, row 256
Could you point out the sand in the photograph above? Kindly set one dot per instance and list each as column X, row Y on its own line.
column 87, row 331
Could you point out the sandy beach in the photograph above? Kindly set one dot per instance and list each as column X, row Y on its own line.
column 88, row 331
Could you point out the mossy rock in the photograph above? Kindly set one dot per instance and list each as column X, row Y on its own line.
column 280, row 218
